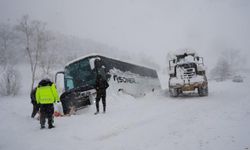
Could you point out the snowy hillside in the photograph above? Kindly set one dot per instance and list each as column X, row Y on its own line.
column 220, row 121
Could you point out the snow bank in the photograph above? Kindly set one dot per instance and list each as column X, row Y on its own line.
column 156, row 121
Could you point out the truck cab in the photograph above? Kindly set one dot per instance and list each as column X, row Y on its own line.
column 187, row 75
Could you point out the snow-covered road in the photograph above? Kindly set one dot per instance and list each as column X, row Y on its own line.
column 220, row 121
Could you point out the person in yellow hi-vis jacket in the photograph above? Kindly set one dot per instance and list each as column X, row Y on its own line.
column 46, row 95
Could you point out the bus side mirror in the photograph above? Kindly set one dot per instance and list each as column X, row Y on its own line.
column 59, row 81
column 59, row 72
column 92, row 63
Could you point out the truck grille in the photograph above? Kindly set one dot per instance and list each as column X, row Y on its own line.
column 188, row 73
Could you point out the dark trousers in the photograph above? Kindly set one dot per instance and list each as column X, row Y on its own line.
column 101, row 94
column 46, row 111
column 35, row 109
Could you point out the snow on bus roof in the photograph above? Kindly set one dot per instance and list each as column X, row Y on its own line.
column 98, row 54
column 82, row 57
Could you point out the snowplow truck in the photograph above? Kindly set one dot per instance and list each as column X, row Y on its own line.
column 187, row 75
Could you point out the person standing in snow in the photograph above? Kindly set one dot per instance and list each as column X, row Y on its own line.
column 34, row 103
column 46, row 95
column 101, row 85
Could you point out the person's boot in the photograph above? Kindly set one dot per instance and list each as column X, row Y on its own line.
column 51, row 126
column 104, row 109
column 96, row 113
column 97, row 110
column 42, row 126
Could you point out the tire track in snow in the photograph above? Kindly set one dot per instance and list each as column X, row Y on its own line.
column 123, row 129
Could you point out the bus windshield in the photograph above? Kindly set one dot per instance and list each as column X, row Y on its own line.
column 79, row 74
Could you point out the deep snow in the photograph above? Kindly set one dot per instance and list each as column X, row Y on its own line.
column 220, row 121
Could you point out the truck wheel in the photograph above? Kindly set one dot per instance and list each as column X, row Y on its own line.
column 173, row 92
column 203, row 91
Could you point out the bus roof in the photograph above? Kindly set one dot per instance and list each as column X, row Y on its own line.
column 96, row 54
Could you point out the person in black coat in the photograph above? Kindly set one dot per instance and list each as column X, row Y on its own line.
column 101, row 86
column 34, row 103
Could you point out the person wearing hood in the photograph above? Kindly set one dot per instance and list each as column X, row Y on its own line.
column 46, row 95
column 101, row 85
column 34, row 103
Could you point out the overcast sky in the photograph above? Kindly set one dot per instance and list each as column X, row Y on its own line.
column 154, row 27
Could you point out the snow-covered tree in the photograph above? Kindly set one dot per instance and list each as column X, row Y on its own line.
column 230, row 63
column 7, row 37
column 48, row 63
column 222, row 71
column 9, row 81
column 36, row 38
column 235, row 59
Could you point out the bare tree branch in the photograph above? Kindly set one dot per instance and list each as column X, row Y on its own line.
column 35, row 42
